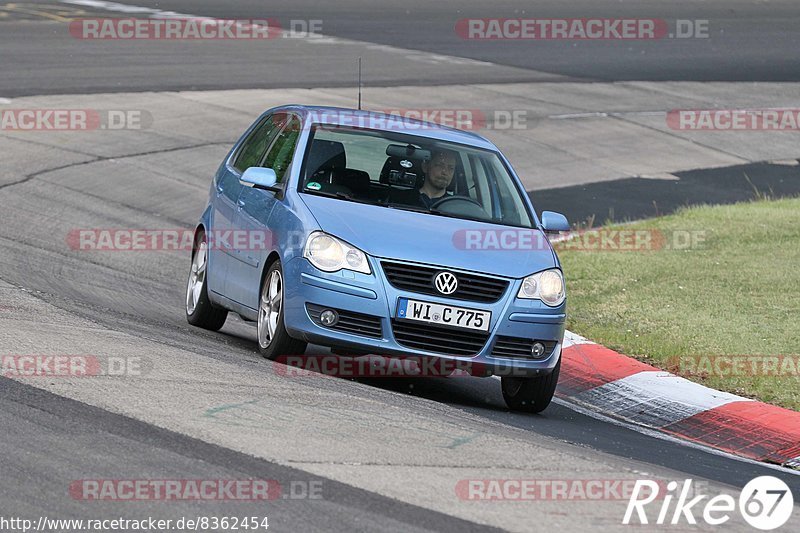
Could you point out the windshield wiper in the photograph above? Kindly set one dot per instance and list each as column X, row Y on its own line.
column 338, row 195
column 430, row 211
column 406, row 207
column 449, row 215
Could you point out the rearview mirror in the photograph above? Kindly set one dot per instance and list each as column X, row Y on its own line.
column 554, row 222
column 260, row 178
column 408, row 150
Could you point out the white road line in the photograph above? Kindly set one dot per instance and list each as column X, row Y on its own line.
column 606, row 114
column 603, row 114
column 5, row 101
column 116, row 7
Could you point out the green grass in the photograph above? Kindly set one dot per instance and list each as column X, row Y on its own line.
column 737, row 293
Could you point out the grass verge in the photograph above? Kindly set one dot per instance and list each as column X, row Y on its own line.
column 714, row 296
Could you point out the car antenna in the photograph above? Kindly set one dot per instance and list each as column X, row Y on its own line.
column 359, row 84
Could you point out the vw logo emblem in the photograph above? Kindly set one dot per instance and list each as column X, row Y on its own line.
column 445, row 282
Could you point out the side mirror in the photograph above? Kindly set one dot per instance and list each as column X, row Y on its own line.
column 554, row 222
column 260, row 178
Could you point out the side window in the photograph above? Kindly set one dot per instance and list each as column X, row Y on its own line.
column 256, row 144
column 279, row 157
column 479, row 189
column 511, row 205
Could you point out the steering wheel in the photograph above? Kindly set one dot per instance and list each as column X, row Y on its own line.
column 460, row 205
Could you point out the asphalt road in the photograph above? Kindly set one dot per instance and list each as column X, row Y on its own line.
column 627, row 199
column 386, row 451
column 50, row 440
column 748, row 39
column 52, row 429
column 401, row 43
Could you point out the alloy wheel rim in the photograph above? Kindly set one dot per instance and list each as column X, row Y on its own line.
column 197, row 277
column 270, row 308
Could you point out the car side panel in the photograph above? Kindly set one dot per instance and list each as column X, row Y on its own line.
column 224, row 194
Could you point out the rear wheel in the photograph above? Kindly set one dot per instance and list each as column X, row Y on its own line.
column 530, row 395
column 200, row 311
column 273, row 340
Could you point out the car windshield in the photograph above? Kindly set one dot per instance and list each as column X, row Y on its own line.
column 414, row 173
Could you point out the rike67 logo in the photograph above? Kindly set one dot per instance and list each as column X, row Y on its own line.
column 766, row 503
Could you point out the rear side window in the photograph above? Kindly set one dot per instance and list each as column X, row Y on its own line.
column 363, row 153
column 254, row 147
column 279, row 157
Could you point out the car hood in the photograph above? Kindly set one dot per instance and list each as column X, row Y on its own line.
column 436, row 240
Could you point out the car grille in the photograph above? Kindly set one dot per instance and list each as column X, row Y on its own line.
column 438, row 339
column 417, row 278
column 349, row 321
column 517, row 347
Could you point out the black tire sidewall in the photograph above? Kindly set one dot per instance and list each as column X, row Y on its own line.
column 205, row 314
column 534, row 394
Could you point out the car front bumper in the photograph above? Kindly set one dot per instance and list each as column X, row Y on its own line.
column 374, row 296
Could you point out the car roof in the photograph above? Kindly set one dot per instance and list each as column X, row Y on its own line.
column 376, row 120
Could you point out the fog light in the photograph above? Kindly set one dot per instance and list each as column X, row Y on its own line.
column 537, row 350
column 328, row 317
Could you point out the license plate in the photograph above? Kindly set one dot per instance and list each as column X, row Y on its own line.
column 443, row 315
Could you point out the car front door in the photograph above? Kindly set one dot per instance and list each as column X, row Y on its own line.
column 224, row 254
column 255, row 210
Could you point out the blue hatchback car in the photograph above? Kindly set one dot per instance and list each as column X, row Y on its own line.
column 377, row 234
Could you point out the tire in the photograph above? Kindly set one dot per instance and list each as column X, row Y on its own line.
column 273, row 340
column 530, row 395
column 200, row 311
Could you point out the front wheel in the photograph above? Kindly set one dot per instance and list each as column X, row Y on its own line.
column 273, row 340
column 530, row 395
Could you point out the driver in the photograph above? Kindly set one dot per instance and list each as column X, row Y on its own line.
column 439, row 172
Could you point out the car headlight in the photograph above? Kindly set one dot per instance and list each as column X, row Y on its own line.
column 547, row 286
column 330, row 254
